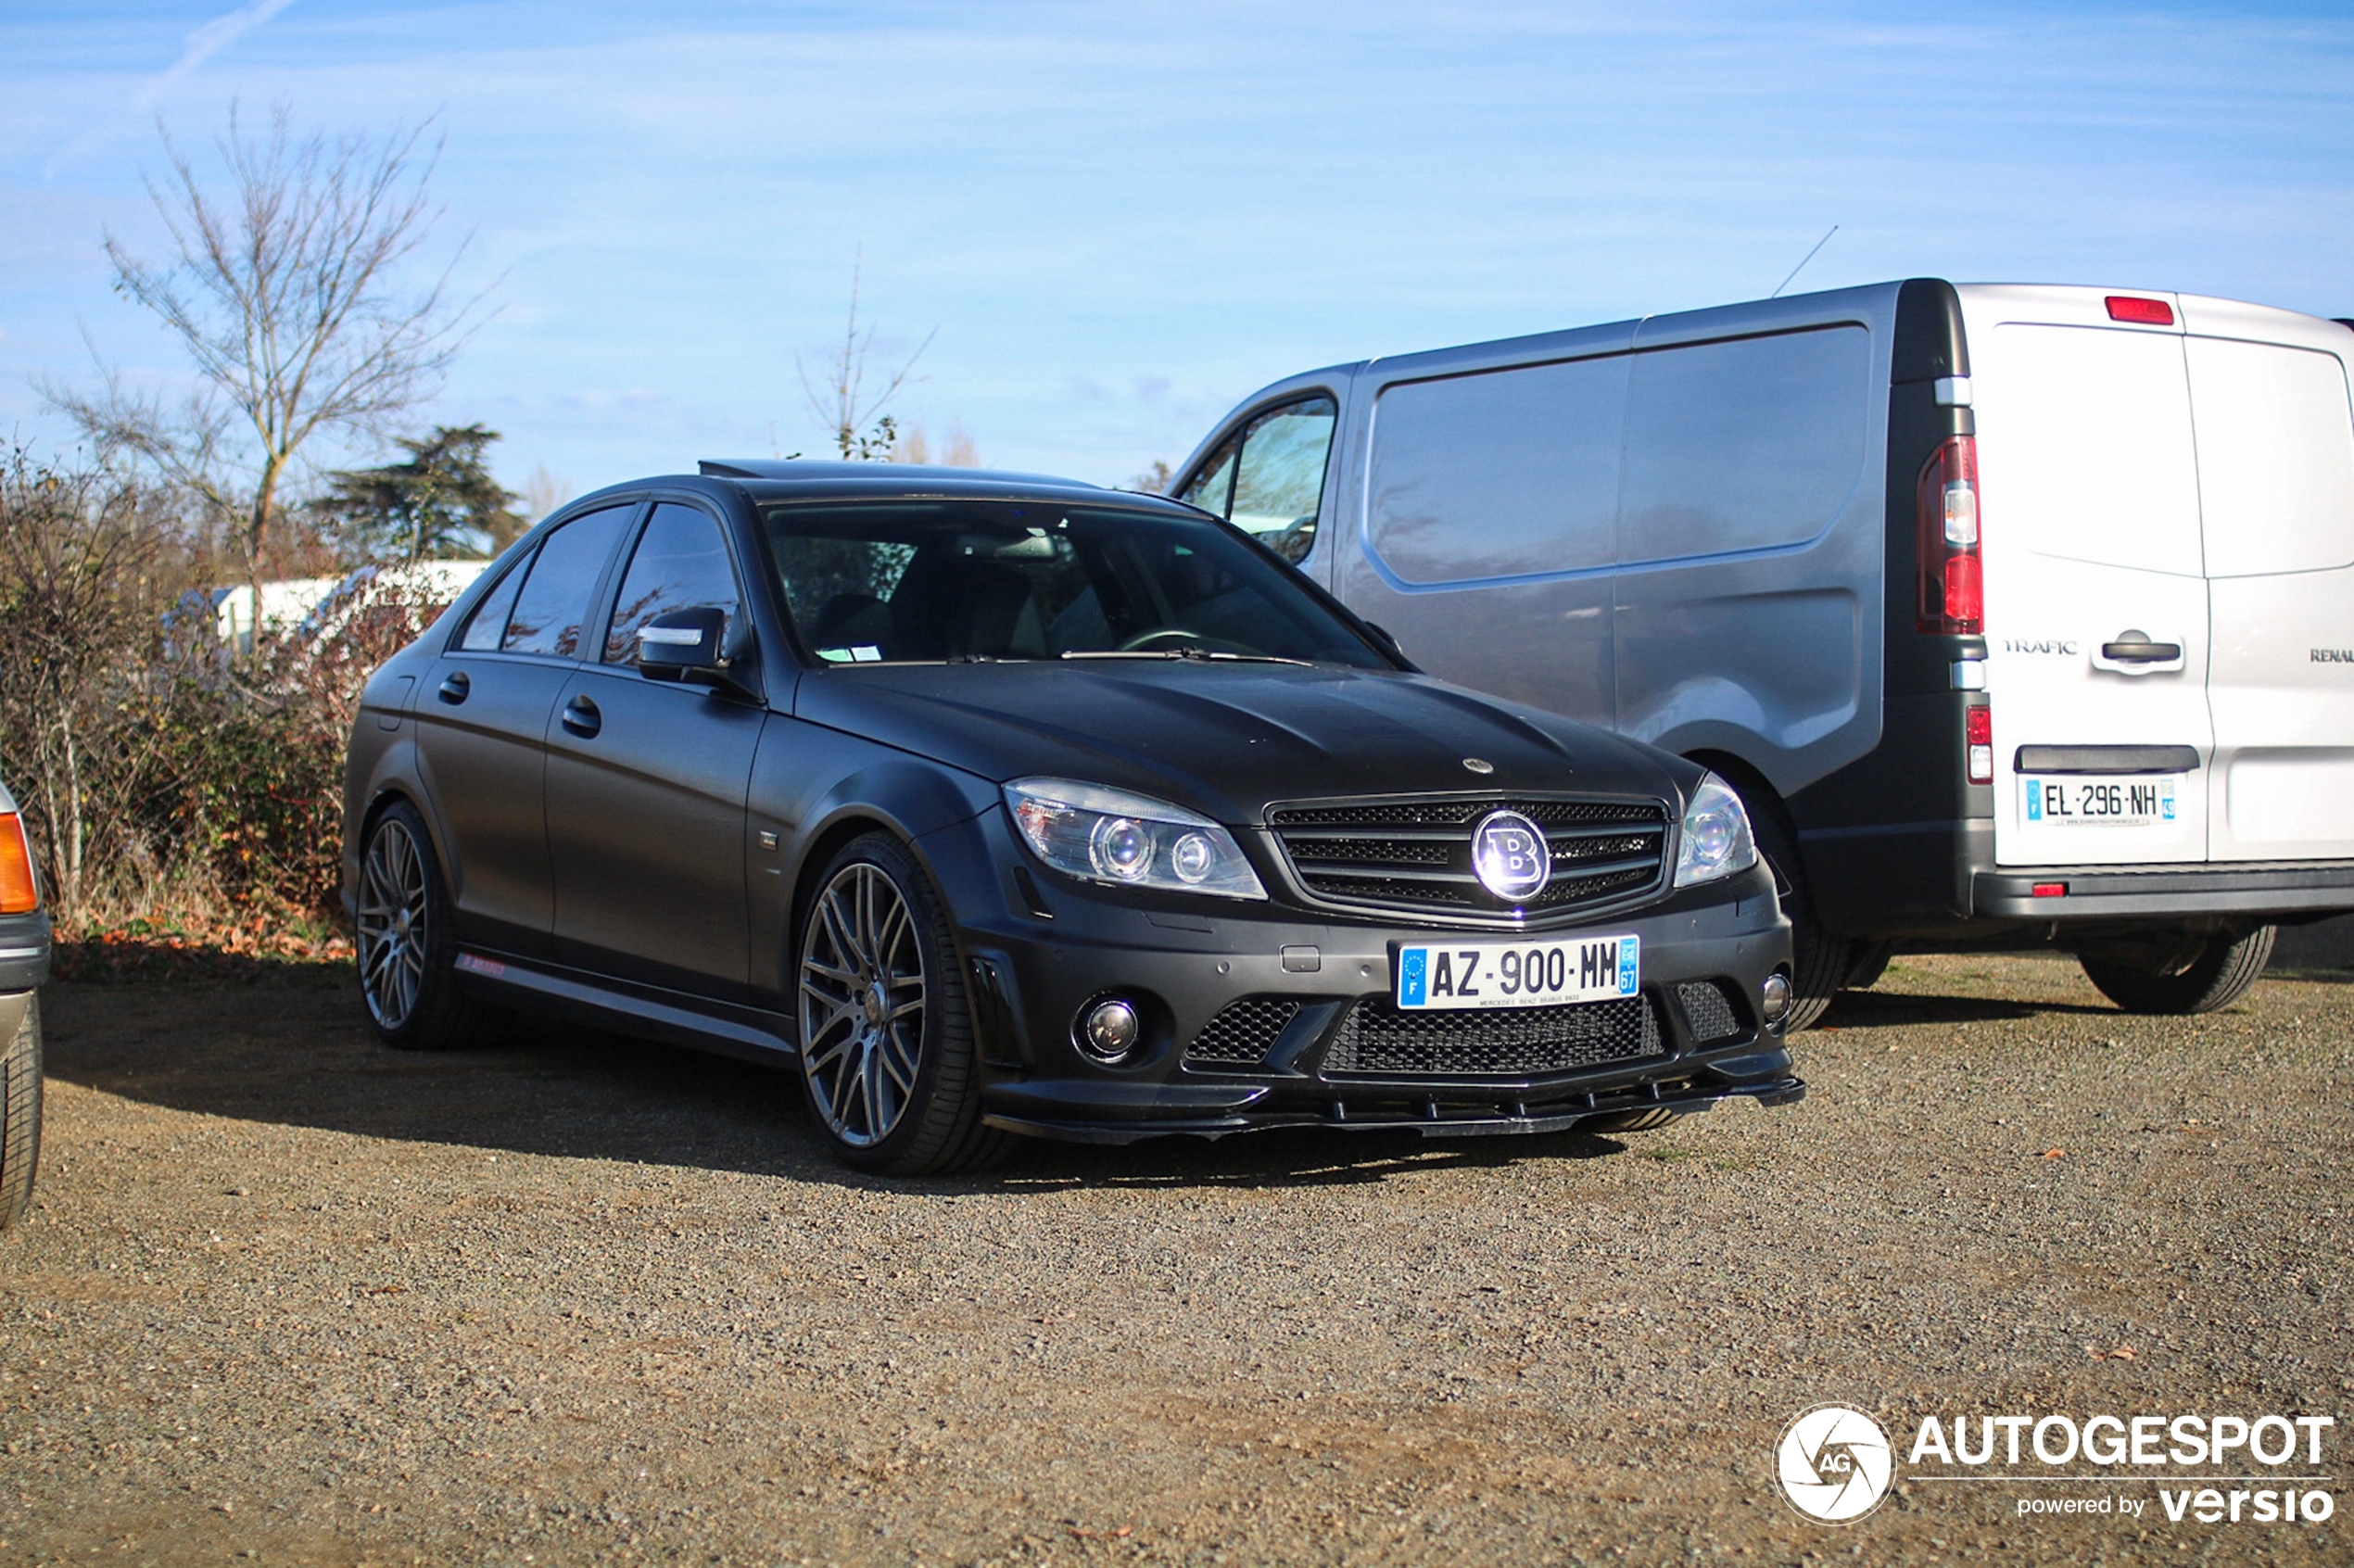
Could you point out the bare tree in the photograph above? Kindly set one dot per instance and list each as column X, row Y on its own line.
column 284, row 290
column 849, row 400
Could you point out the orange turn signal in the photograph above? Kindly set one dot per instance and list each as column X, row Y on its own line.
column 16, row 892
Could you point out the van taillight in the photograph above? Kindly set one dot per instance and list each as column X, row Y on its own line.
column 1978, row 732
column 16, row 892
column 1953, row 595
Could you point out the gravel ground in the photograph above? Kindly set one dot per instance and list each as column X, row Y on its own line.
column 290, row 1297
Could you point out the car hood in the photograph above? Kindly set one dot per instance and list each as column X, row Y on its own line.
column 1229, row 740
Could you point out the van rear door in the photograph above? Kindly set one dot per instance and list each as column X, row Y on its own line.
column 2275, row 433
column 2096, row 594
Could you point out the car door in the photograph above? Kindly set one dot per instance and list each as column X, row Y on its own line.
column 482, row 728
column 2096, row 601
column 2276, row 501
column 647, row 779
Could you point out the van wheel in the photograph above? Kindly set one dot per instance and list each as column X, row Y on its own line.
column 1870, row 962
column 1820, row 961
column 1628, row 1121
column 20, row 1114
column 2216, row 975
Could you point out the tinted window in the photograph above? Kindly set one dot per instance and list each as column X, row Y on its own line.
column 549, row 611
column 486, row 627
column 1280, row 480
column 680, row 564
column 1507, row 473
column 1745, row 445
column 1018, row 580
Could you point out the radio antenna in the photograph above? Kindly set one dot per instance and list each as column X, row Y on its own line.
column 1802, row 261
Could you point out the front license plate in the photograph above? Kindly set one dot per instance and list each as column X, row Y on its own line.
column 2142, row 802
column 1518, row 974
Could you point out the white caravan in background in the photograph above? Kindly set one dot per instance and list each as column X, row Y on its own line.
column 2021, row 615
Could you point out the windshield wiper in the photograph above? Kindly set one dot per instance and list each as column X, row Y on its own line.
column 1204, row 654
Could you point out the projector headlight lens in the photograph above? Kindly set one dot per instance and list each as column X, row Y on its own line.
column 1109, row 836
column 1716, row 840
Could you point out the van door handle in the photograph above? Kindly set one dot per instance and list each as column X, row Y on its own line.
column 454, row 687
column 581, row 717
column 2139, row 651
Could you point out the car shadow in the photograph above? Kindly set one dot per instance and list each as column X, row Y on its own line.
column 1887, row 1009
column 296, row 1053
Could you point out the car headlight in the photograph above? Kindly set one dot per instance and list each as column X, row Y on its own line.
column 1716, row 840
column 1127, row 841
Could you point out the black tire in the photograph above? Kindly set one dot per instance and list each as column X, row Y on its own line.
column 1865, row 964
column 1628, row 1121
column 890, row 1060
column 1820, row 961
column 19, row 1114
column 407, row 948
column 2217, row 976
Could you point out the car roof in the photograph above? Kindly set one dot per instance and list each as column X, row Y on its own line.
column 794, row 478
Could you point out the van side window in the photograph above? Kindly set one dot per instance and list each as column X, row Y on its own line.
column 549, row 611
column 1279, row 483
column 1213, row 487
column 1743, row 445
column 1505, row 474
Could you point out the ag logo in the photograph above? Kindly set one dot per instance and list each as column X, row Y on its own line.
column 1834, row 1464
column 1510, row 856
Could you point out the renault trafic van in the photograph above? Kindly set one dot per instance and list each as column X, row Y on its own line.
column 2022, row 616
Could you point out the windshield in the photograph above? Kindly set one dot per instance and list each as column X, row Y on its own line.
column 939, row 580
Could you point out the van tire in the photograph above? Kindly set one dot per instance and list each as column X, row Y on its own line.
column 2218, row 977
column 1820, row 961
column 1628, row 1121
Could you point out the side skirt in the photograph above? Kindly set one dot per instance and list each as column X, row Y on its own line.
column 670, row 1017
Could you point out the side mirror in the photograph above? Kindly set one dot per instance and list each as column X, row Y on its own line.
column 684, row 645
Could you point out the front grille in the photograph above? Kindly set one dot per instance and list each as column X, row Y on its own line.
column 1242, row 1032
column 1417, row 854
column 1376, row 1037
column 1709, row 1011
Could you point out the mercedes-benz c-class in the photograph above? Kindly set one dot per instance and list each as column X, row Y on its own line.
column 989, row 805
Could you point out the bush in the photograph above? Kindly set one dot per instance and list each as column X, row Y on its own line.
column 167, row 787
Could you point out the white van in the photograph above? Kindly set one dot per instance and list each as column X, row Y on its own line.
column 2021, row 616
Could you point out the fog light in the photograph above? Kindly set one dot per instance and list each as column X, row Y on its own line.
column 1774, row 997
column 1109, row 1029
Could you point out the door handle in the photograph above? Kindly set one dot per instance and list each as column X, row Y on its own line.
column 581, row 717
column 2135, row 649
column 454, row 687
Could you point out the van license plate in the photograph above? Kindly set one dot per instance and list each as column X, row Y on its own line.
column 1518, row 974
column 2140, row 801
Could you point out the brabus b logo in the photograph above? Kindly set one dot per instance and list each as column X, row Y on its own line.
column 1834, row 1464
column 1511, row 856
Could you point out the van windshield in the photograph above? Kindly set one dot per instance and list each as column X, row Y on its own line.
column 915, row 581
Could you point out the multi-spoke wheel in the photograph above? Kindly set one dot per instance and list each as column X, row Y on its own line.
column 406, row 952
column 886, row 1038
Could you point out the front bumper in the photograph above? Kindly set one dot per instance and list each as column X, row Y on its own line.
column 1037, row 954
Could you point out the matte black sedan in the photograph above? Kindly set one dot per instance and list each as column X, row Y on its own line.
column 995, row 804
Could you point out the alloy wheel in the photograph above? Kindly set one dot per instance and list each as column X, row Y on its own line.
column 392, row 925
column 862, row 1004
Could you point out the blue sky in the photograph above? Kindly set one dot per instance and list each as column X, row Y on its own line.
column 1122, row 218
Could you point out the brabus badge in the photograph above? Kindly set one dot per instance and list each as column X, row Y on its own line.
column 1511, row 856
